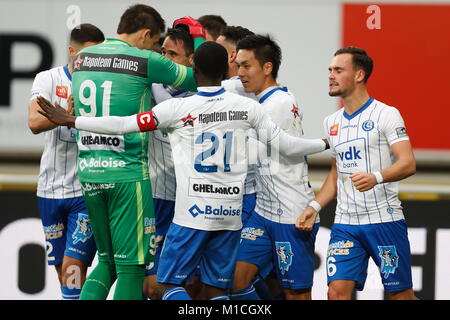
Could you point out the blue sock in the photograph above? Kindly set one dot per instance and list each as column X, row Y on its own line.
column 70, row 293
column 221, row 298
column 176, row 293
column 248, row 293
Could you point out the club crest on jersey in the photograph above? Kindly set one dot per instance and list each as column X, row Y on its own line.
column 285, row 254
column 83, row 232
column 389, row 260
column 62, row 91
column 334, row 129
column 294, row 110
column 368, row 125
column 188, row 121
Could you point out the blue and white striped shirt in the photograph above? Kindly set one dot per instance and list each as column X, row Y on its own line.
column 361, row 142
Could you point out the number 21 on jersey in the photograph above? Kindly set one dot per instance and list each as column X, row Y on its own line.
column 215, row 145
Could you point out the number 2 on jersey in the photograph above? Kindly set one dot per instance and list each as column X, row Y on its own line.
column 208, row 136
column 91, row 99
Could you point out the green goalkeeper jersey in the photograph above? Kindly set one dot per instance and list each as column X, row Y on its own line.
column 114, row 79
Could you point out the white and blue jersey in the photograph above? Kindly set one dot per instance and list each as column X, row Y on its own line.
column 58, row 169
column 63, row 212
column 361, row 142
column 270, row 240
column 283, row 186
column 371, row 223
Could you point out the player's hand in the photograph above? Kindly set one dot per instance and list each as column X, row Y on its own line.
column 191, row 25
column 363, row 181
column 307, row 219
column 56, row 114
column 70, row 105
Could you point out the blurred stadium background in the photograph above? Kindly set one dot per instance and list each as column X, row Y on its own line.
column 409, row 41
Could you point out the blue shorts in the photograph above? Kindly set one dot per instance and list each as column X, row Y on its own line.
column 67, row 230
column 387, row 243
column 213, row 251
column 248, row 205
column 164, row 211
column 271, row 245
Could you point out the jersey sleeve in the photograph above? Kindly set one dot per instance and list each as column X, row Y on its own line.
column 392, row 126
column 280, row 111
column 108, row 125
column 164, row 114
column 164, row 70
column 326, row 129
column 268, row 132
column 159, row 93
column 160, row 117
column 42, row 86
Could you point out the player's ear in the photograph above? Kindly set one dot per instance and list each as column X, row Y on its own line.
column 360, row 75
column 232, row 56
column 191, row 59
column 72, row 52
column 267, row 68
column 148, row 33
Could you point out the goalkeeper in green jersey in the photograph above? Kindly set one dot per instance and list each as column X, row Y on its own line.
column 114, row 78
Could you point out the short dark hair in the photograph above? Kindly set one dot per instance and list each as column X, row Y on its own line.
column 265, row 50
column 360, row 58
column 178, row 34
column 211, row 59
column 86, row 32
column 234, row 34
column 139, row 17
column 213, row 23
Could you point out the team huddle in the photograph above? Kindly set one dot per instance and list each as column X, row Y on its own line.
column 180, row 160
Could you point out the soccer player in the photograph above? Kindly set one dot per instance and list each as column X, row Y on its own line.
column 207, row 132
column 213, row 25
column 371, row 152
column 229, row 39
column 114, row 78
column 178, row 46
column 68, row 234
column 270, row 238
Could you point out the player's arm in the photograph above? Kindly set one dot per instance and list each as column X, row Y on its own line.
column 403, row 167
column 326, row 194
column 392, row 127
column 145, row 121
column 36, row 122
column 165, row 71
column 292, row 147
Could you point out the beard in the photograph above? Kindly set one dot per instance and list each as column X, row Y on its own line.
column 337, row 92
